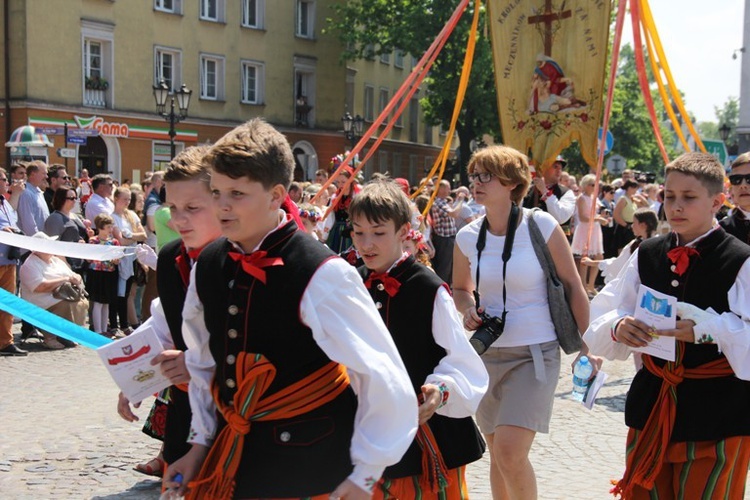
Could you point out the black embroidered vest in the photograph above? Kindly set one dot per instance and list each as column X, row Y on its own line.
column 707, row 409
column 737, row 225
column 408, row 316
column 297, row 457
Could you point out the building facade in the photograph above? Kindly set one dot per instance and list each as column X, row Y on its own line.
column 86, row 68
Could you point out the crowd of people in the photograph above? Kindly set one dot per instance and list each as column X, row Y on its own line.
column 301, row 375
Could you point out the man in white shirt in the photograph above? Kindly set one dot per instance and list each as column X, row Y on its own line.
column 100, row 201
column 548, row 194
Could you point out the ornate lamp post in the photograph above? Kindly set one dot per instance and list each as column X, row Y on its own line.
column 352, row 127
column 724, row 131
column 161, row 94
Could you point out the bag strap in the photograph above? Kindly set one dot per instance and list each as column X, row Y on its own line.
column 541, row 249
column 510, row 235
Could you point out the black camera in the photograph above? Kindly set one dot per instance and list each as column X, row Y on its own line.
column 490, row 330
column 14, row 253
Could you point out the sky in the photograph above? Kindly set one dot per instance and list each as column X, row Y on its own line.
column 699, row 37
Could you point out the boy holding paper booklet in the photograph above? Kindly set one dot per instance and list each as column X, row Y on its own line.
column 688, row 421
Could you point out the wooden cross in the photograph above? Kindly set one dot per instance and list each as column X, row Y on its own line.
column 548, row 17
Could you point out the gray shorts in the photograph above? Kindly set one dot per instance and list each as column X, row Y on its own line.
column 521, row 392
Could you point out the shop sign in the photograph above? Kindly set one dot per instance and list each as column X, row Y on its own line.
column 111, row 129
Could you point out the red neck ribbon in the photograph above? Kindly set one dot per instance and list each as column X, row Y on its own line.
column 254, row 263
column 680, row 257
column 390, row 283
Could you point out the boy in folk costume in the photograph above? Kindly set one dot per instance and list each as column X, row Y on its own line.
column 191, row 206
column 688, row 419
column 445, row 371
column 271, row 318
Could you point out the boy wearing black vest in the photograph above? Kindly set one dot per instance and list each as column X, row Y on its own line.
column 190, row 202
column 271, row 317
column 738, row 222
column 688, row 419
column 445, row 371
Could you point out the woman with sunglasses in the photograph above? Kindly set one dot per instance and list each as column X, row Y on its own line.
column 738, row 222
column 67, row 225
column 524, row 362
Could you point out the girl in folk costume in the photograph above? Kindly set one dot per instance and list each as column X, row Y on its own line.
column 192, row 216
column 445, row 371
column 337, row 227
column 102, row 279
column 644, row 227
column 311, row 215
column 414, row 245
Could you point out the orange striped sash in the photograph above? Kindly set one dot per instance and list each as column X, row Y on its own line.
column 645, row 461
column 254, row 376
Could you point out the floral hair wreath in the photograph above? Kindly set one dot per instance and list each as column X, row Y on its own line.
column 339, row 159
column 311, row 215
column 415, row 236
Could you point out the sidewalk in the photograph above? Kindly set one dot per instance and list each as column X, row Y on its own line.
column 62, row 437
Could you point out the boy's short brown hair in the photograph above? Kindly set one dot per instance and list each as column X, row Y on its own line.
column 102, row 220
column 743, row 159
column 507, row 164
column 254, row 150
column 189, row 166
column 703, row 166
column 381, row 201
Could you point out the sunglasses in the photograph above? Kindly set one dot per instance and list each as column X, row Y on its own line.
column 67, row 177
column 736, row 179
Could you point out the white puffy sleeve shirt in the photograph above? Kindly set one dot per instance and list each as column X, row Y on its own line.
column 730, row 330
column 348, row 328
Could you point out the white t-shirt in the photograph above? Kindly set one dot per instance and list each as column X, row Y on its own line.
column 34, row 271
column 151, row 236
column 528, row 320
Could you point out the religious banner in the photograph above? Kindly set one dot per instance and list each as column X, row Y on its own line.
column 550, row 58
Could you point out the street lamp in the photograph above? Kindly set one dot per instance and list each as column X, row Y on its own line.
column 352, row 127
column 161, row 94
column 724, row 132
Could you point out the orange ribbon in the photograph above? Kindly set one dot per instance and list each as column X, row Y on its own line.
column 254, row 263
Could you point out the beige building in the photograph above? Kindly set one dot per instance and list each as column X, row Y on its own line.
column 89, row 67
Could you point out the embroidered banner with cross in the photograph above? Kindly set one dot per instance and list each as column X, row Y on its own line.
column 550, row 58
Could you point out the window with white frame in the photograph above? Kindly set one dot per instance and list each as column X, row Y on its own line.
column 92, row 50
column 212, row 10
column 400, row 119
column 212, row 77
column 252, row 13
column 305, row 18
column 385, row 58
column 171, row 6
column 252, row 82
column 398, row 58
column 369, row 103
column 167, row 67
column 383, row 101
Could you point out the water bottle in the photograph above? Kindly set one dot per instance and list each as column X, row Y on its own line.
column 171, row 493
column 581, row 373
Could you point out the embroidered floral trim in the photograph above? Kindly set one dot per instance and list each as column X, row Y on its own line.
column 444, row 393
column 370, row 482
column 705, row 339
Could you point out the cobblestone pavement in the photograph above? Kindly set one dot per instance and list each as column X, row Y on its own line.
column 62, row 437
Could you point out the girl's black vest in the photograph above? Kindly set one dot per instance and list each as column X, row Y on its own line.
column 172, row 292
column 408, row 316
column 707, row 409
column 297, row 457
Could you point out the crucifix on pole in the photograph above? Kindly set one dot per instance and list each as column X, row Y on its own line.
column 549, row 17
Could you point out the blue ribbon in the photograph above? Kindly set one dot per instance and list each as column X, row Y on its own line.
column 50, row 322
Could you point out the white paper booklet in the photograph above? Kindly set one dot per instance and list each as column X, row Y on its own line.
column 659, row 311
column 593, row 390
column 128, row 361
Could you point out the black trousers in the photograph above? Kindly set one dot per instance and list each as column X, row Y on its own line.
column 442, row 263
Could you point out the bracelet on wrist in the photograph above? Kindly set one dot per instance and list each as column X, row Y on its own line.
column 613, row 329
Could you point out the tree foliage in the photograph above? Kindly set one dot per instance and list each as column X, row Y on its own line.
column 368, row 28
